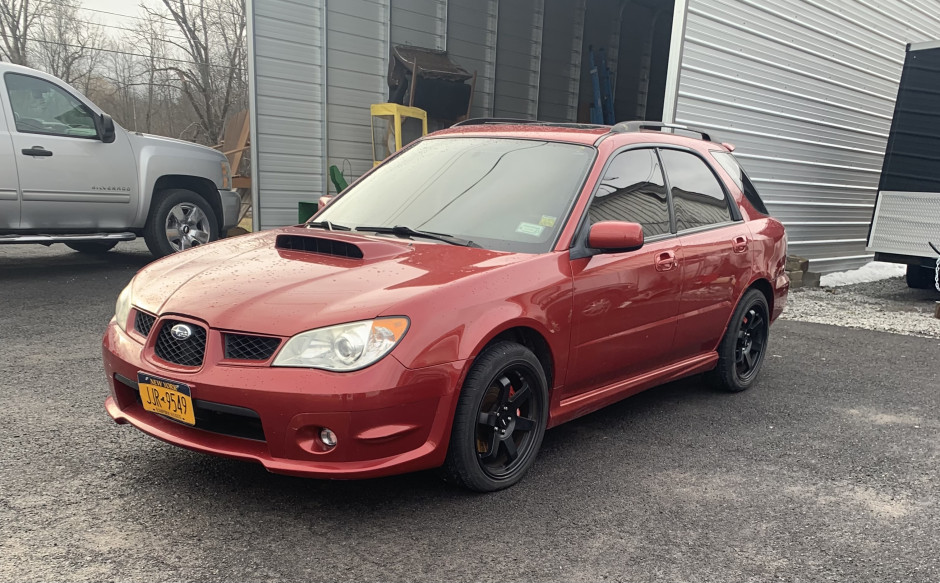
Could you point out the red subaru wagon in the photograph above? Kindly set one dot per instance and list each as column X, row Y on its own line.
column 489, row 282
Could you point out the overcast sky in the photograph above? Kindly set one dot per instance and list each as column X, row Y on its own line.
column 124, row 12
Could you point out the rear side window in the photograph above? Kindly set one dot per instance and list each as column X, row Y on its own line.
column 697, row 196
column 633, row 190
column 732, row 167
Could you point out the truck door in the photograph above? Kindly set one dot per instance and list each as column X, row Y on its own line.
column 69, row 179
column 9, row 186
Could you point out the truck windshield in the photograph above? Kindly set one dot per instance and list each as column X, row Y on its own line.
column 498, row 193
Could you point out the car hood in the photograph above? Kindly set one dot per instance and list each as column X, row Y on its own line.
column 179, row 146
column 253, row 284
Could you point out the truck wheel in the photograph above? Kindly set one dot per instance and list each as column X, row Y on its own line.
column 179, row 219
column 92, row 247
column 919, row 277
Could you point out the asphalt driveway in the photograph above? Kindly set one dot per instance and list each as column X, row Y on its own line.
column 826, row 470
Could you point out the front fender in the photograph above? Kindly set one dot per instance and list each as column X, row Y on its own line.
column 159, row 158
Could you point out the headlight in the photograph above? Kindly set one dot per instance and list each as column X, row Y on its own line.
column 226, row 175
column 122, row 308
column 345, row 347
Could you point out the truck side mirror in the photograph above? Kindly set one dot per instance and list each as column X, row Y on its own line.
column 105, row 128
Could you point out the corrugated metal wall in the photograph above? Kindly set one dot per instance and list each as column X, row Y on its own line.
column 518, row 52
column 805, row 89
column 422, row 23
column 287, row 106
column 357, row 65
column 471, row 42
column 561, row 60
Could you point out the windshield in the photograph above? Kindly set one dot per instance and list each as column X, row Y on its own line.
column 501, row 194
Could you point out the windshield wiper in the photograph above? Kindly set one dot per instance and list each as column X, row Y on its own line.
column 409, row 232
column 327, row 225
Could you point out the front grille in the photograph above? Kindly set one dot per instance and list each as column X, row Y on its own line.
column 143, row 322
column 246, row 347
column 188, row 352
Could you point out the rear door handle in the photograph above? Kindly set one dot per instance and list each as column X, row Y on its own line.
column 666, row 261
column 739, row 244
column 36, row 151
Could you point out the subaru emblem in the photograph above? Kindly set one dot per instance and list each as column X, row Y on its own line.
column 181, row 331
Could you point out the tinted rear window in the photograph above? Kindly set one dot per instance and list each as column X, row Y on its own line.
column 732, row 167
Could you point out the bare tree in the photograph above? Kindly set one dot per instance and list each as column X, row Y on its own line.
column 213, row 41
column 18, row 19
column 66, row 47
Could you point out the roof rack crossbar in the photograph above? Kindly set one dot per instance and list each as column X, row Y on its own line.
column 636, row 126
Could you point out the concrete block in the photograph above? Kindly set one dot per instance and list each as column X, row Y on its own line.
column 796, row 278
column 936, row 313
column 795, row 263
column 811, row 279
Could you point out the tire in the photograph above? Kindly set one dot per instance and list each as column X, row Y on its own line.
column 92, row 247
column 919, row 277
column 179, row 219
column 743, row 348
column 492, row 447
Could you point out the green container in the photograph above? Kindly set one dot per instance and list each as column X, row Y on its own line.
column 305, row 210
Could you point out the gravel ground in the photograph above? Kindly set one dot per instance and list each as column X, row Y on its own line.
column 887, row 305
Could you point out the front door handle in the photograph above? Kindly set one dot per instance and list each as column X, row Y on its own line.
column 666, row 261
column 36, row 151
column 739, row 244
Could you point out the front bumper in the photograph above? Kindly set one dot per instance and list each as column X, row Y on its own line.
column 388, row 419
column 231, row 205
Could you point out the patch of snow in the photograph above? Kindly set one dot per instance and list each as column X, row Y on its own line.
column 874, row 271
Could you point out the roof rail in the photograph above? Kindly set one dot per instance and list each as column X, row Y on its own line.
column 478, row 121
column 639, row 125
column 531, row 122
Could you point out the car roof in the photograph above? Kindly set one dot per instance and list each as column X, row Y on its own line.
column 580, row 133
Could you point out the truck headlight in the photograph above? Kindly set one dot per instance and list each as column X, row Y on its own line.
column 122, row 308
column 345, row 347
column 226, row 175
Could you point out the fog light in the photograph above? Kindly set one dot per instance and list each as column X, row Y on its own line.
column 328, row 437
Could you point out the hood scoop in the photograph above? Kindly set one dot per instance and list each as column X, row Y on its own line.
column 321, row 245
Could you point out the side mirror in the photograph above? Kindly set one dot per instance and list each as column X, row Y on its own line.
column 105, row 128
column 612, row 236
column 323, row 201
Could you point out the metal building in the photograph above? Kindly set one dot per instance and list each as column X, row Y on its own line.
column 804, row 88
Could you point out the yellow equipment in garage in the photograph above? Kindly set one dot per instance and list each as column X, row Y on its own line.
column 393, row 127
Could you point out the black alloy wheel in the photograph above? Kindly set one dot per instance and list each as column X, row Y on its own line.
column 744, row 345
column 506, row 422
column 500, row 419
column 751, row 345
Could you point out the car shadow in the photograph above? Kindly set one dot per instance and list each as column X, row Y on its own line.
column 202, row 477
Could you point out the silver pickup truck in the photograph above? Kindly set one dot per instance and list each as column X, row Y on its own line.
column 69, row 174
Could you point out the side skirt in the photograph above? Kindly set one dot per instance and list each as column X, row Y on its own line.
column 578, row 405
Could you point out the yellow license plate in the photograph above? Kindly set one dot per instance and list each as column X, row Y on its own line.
column 165, row 397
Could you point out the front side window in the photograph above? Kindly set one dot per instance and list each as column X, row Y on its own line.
column 41, row 107
column 500, row 193
column 698, row 198
column 633, row 190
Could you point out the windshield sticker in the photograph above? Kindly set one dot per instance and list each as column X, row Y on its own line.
column 530, row 229
column 547, row 221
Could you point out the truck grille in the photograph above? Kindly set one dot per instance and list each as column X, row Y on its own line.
column 246, row 347
column 143, row 322
column 188, row 352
